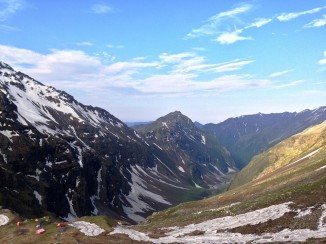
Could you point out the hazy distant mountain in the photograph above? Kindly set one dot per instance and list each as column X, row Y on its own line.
column 250, row 135
column 58, row 155
column 196, row 154
column 197, row 124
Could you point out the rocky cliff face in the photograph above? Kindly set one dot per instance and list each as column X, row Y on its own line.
column 60, row 156
column 251, row 135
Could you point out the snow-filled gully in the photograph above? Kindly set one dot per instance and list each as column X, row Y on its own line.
column 215, row 230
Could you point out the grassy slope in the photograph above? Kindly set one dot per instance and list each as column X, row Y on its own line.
column 283, row 153
column 25, row 233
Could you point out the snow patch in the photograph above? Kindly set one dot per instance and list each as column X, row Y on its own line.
column 303, row 213
column 214, row 231
column 165, row 125
column 3, row 219
column 4, row 156
column 72, row 215
column 138, row 191
column 157, row 146
column 89, row 229
column 203, row 139
column 322, row 167
column 231, row 170
column 8, row 134
column 38, row 197
column 307, row 156
column 197, row 186
column 181, row 169
column 97, row 197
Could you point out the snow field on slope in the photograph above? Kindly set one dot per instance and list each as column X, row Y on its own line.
column 215, row 230
column 89, row 229
column 3, row 219
column 138, row 191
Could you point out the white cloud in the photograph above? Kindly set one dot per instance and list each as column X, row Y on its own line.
column 231, row 13
column 74, row 70
column 290, row 84
column 234, row 36
column 191, row 62
column 9, row 8
column 213, row 24
column 294, row 15
column 115, row 46
column 174, row 58
column 101, row 8
column 84, row 44
column 199, row 48
column 222, row 23
column 317, row 22
column 259, row 23
column 231, row 37
column 232, row 66
column 280, row 73
column 323, row 61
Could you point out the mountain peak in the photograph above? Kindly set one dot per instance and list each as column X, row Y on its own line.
column 174, row 118
column 3, row 65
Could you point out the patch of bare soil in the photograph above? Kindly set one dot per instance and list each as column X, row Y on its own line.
column 21, row 231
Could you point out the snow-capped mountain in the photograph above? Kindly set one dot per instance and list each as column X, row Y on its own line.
column 58, row 155
column 197, row 155
column 251, row 135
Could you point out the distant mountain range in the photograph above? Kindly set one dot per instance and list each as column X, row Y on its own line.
column 251, row 135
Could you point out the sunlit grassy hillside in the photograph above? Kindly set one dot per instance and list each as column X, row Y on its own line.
column 309, row 143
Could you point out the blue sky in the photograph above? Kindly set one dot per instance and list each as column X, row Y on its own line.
column 140, row 60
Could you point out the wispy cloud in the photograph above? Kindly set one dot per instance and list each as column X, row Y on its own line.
column 221, row 26
column 317, row 22
column 169, row 75
column 101, row 8
column 232, row 66
column 115, row 46
column 280, row 73
column 294, row 15
column 84, row 44
column 188, row 62
column 289, row 84
column 213, row 24
column 259, row 23
column 9, row 8
column 199, row 48
column 323, row 61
